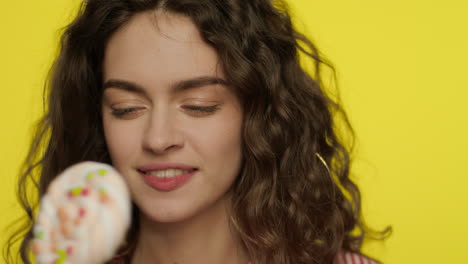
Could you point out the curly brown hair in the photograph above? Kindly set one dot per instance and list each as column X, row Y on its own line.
column 288, row 207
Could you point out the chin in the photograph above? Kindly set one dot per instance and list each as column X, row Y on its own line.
column 166, row 213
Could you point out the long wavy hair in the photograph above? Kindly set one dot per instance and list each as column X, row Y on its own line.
column 293, row 201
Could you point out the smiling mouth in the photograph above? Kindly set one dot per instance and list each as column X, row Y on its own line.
column 167, row 180
column 168, row 173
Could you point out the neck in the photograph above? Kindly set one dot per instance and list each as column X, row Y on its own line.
column 205, row 238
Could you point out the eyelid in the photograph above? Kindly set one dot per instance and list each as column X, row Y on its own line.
column 122, row 98
column 208, row 109
column 123, row 112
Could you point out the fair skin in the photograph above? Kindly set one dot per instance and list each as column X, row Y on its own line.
column 143, row 61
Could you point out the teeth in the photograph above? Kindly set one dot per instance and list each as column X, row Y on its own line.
column 170, row 173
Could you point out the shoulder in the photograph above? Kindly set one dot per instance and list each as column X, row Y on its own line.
column 346, row 257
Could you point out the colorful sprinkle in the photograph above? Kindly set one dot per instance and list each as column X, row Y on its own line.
column 102, row 191
column 102, row 172
column 90, row 176
column 36, row 248
column 65, row 230
column 69, row 250
column 76, row 191
column 81, row 212
column 103, row 197
column 85, row 192
column 62, row 214
column 40, row 235
column 62, row 256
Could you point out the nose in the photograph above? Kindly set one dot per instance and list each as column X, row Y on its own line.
column 161, row 134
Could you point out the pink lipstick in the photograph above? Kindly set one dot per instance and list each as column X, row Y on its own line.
column 166, row 184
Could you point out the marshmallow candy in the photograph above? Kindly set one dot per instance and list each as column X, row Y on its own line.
column 83, row 217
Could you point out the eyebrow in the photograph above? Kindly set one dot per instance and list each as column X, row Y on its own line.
column 177, row 87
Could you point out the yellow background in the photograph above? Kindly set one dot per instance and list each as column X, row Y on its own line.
column 403, row 72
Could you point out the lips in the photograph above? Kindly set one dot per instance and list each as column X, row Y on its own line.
column 167, row 184
column 165, row 166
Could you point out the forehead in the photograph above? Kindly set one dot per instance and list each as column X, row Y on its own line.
column 157, row 49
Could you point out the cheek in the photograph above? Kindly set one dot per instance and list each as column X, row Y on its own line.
column 220, row 143
column 122, row 140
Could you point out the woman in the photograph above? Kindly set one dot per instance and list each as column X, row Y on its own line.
column 213, row 91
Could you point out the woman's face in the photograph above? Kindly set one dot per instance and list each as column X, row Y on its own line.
column 164, row 106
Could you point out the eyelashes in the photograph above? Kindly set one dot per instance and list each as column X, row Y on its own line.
column 196, row 110
column 203, row 109
column 125, row 111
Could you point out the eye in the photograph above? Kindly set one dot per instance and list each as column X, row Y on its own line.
column 197, row 110
column 120, row 112
column 200, row 110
